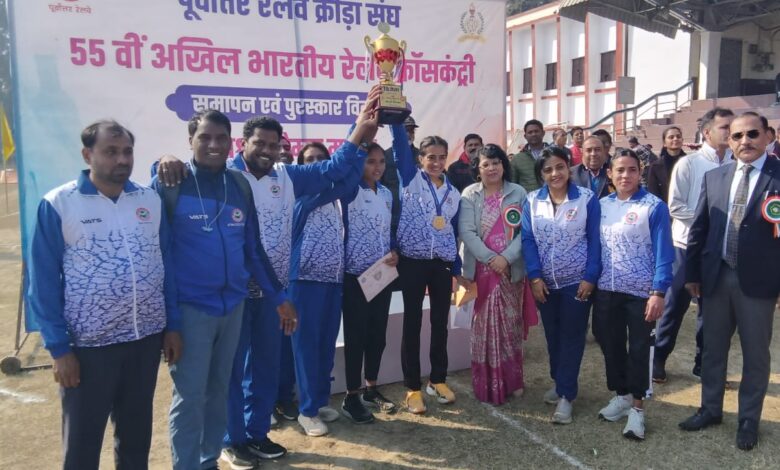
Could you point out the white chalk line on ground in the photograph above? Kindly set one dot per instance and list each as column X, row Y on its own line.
column 22, row 397
column 535, row 438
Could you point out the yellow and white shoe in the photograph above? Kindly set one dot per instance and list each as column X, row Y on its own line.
column 441, row 391
column 414, row 402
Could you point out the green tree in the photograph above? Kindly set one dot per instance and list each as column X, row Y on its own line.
column 514, row 7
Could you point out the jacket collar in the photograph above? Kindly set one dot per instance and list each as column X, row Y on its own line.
column 572, row 192
column 86, row 186
column 634, row 197
column 709, row 153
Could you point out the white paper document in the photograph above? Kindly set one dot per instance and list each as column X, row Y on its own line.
column 377, row 277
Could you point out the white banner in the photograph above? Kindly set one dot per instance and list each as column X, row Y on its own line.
column 151, row 63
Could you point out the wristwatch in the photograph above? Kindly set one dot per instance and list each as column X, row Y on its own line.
column 658, row 293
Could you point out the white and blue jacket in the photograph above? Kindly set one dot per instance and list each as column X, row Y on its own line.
column 275, row 195
column 100, row 269
column 213, row 267
column 318, row 226
column 367, row 226
column 636, row 244
column 562, row 247
column 417, row 238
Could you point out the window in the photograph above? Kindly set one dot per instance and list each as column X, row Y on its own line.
column 578, row 71
column 607, row 66
column 528, row 84
column 551, row 82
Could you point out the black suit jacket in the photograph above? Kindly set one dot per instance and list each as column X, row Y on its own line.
column 580, row 175
column 658, row 176
column 758, row 252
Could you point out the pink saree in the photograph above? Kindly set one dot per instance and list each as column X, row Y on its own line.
column 498, row 327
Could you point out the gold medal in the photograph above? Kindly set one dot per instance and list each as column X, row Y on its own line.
column 439, row 223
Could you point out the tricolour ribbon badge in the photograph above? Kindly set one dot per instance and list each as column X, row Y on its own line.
column 512, row 217
column 770, row 210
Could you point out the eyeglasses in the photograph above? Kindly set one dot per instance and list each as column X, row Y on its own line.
column 751, row 134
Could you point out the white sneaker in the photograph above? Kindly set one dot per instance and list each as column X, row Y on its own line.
column 562, row 413
column 313, row 427
column 551, row 396
column 617, row 408
column 328, row 414
column 635, row 427
column 273, row 420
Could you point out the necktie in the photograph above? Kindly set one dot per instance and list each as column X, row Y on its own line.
column 736, row 216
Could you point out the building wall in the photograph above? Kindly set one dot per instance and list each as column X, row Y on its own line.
column 657, row 62
column 535, row 42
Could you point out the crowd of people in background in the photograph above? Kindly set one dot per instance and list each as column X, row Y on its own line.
column 242, row 270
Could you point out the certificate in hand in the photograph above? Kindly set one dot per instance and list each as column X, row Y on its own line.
column 377, row 277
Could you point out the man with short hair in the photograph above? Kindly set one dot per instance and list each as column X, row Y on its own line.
column 606, row 140
column 684, row 191
column 559, row 140
column 592, row 172
column 645, row 155
column 216, row 247
column 102, row 295
column 733, row 260
column 522, row 165
column 285, row 155
column 459, row 172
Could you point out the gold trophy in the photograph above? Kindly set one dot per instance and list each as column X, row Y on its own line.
column 387, row 53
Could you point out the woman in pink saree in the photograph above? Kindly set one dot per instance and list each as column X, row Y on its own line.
column 489, row 225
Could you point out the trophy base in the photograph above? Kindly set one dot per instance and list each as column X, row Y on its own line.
column 390, row 116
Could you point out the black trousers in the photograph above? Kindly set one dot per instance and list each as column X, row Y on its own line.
column 416, row 275
column 117, row 381
column 618, row 318
column 365, row 327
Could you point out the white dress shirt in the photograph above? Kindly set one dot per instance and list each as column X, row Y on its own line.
column 752, row 181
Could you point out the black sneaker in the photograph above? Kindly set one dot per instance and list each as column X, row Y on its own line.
column 266, row 449
column 239, row 458
column 697, row 370
column 371, row 397
column 287, row 410
column 353, row 409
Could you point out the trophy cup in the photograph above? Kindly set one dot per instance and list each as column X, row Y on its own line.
column 387, row 53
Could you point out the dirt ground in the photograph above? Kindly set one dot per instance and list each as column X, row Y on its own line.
column 465, row 435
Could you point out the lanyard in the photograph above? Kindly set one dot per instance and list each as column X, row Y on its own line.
column 439, row 204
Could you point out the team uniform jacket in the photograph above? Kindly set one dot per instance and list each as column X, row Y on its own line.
column 213, row 267
column 367, row 225
column 318, row 225
column 275, row 195
column 562, row 247
column 417, row 238
column 636, row 245
column 100, row 269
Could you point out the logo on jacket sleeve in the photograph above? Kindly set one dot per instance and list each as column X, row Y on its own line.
column 143, row 214
column 237, row 215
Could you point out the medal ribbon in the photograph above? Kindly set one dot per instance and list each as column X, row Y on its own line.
column 439, row 204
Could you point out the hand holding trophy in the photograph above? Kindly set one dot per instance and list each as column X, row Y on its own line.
column 387, row 52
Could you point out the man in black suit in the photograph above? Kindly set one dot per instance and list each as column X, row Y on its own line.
column 733, row 259
column 592, row 172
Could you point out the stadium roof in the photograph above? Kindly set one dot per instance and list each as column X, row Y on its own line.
column 667, row 16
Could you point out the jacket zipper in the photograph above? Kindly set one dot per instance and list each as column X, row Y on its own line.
column 132, row 267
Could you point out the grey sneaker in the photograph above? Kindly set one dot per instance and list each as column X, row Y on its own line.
column 635, row 426
column 328, row 414
column 239, row 458
column 313, row 426
column 562, row 413
column 551, row 396
column 617, row 408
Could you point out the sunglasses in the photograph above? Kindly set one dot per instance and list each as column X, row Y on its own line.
column 751, row 134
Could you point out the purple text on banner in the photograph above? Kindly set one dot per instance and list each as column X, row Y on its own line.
column 286, row 106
